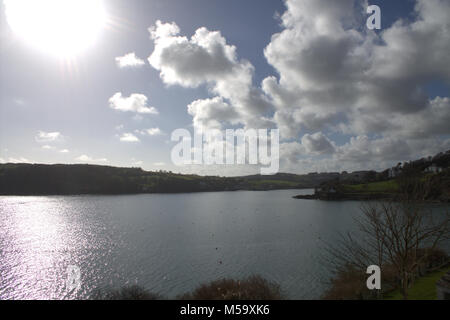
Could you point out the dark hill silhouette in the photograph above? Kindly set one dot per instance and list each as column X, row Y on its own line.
column 60, row 179
column 63, row 179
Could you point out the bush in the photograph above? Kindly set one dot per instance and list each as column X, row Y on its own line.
column 126, row 293
column 348, row 284
column 434, row 257
column 251, row 288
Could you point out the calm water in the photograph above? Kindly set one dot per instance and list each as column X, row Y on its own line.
column 166, row 243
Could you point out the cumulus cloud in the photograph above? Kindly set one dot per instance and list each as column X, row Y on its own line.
column 292, row 151
column 129, row 137
column 137, row 162
column 48, row 137
column 191, row 62
column 211, row 113
column 150, row 132
column 129, row 60
column 333, row 74
column 47, row 147
column 18, row 160
column 337, row 77
column 88, row 159
column 362, row 149
column 64, row 151
column 134, row 103
column 317, row 143
column 334, row 77
column 207, row 59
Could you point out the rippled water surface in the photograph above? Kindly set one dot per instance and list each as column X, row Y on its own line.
column 166, row 243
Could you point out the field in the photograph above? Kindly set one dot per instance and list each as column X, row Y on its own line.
column 423, row 289
column 389, row 186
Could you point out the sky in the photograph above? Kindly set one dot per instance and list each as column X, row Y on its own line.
column 343, row 97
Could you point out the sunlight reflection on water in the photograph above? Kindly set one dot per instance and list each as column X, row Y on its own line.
column 168, row 244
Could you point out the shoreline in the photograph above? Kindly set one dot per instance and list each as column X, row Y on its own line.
column 360, row 197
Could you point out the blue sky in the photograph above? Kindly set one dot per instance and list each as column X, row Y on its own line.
column 41, row 93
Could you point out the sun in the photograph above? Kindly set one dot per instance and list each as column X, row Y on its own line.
column 60, row 27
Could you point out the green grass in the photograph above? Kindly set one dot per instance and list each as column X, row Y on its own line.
column 423, row 289
column 389, row 186
column 274, row 182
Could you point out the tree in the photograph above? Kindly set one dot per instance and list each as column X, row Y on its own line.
column 395, row 235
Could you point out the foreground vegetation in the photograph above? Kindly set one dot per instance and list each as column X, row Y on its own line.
column 423, row 289
column 402, row 238
column 251, row 288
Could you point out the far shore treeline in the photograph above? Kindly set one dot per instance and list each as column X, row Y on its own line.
column 60, row 179
column 63, row 179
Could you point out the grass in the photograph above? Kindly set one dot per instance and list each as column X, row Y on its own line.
column 389, row 186
column 280, row 183
column 423, row 289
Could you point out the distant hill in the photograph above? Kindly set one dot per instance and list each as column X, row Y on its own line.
column 61, row 179
column 40, row 179
column 426, row 179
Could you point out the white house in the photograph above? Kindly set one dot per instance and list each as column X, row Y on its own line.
column 433, row 169
column 394, row 172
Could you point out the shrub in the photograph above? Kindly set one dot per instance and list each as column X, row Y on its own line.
column 348, row 284
column 134, row 292
column 251, row 288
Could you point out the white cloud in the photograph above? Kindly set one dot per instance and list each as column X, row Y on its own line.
column 335, row 74
column 134, row 103
column 207, row 59
column 150, row 132
column 211, row 113
column 291, row 151
column 137, row 162
column 18, row 160
column 64, row 151
column 48, row 137
column 19, row 101
column 159, row 164
column 2, row 160
column 129, row 137
column 86, row 158
column 317, row 143
column 334, row 77
column 47, row 147
column 129, row 60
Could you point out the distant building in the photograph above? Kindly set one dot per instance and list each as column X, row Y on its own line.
column 394, row 172
column 433, row 169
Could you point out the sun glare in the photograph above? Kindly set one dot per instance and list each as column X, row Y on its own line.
column 60, row 27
